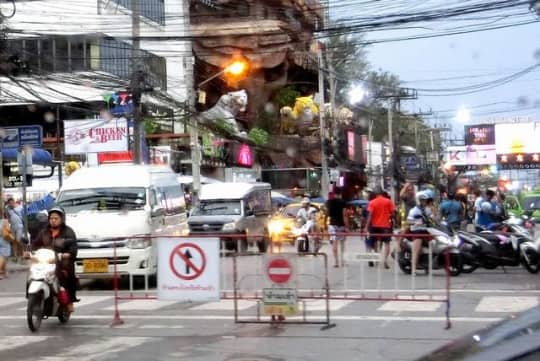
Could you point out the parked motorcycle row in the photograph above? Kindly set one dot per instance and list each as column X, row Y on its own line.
column 505, row 244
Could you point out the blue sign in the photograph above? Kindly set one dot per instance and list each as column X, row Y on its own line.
column 17, row 137
column 410, row 161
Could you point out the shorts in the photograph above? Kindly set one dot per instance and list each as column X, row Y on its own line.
column 332, row 230
column 374, row 231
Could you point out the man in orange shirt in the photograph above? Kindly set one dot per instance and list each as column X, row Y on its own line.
column 381, row 212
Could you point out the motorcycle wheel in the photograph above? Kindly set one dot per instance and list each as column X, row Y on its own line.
column 456, row 265
column 34, row 311
column 405, row 264
column 63, row 314
column 534, row 265
column 490, row 265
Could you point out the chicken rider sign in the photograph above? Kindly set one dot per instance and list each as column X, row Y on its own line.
column 188, row 269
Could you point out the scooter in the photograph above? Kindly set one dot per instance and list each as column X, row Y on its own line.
column 443, row 250
column 301, row 232
column 509, row 245
column 45, row 296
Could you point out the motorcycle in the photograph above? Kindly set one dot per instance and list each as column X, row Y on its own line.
column 441, row 245
column 301, row 232
column 508, row 244
column 45, row 296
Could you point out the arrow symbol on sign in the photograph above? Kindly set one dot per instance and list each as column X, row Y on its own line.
column 187, row 255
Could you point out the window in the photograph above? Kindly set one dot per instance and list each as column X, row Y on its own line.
column 150, row 9
column 259, row 201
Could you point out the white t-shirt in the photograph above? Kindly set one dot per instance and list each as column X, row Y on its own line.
column 477, row 204
column 415, row 218
column 306, row 214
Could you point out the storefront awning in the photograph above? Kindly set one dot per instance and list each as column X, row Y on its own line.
column 39, row 156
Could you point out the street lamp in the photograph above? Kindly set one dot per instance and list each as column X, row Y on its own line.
column 236, row 70
column 463, row 115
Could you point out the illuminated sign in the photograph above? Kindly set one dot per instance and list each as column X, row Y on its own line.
column 350, row 144
column 96, row 136
column 518, row 161
column 481, row 134
column 517, row 138
column 472, row 155
column 244, row 156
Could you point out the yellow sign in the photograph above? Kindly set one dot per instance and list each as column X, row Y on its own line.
column 96, row 265
column 280, row 301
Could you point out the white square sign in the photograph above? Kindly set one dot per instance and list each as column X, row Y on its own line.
column 188, row 269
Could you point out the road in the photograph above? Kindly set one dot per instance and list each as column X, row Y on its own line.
column 377, row 329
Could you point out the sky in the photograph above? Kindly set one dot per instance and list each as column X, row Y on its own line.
column 474, row 58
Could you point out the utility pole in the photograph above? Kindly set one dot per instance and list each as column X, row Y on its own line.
column 324, row 164
column 391, row 148
column 137, row 80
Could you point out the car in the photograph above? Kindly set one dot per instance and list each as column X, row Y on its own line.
column 516, row 338
column 282, row 223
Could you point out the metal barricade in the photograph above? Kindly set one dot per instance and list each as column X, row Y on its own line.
column 284, row 287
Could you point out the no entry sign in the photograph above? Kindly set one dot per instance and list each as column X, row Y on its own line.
column 279, row 270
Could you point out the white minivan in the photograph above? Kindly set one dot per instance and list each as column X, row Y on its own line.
column 126, row 205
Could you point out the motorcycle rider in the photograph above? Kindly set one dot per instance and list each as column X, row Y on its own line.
column 418, row 219
column 62, row 239
column 489, row 210
column 307, row 213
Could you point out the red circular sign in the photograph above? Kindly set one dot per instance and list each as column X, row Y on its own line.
column 182, row 263
column 279, row 270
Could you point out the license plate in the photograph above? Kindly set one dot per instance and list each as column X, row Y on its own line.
column 97, row 265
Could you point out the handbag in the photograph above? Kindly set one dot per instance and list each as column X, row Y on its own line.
column 6, row 232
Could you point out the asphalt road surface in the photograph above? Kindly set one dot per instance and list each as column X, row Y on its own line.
column 378, row 315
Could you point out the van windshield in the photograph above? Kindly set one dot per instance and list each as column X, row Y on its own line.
column 218, row 208
column 102, row 199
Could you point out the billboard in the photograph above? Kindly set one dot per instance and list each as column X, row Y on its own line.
column 515, row 138
column 471, row 155
column 95, row 136
column 480, row 134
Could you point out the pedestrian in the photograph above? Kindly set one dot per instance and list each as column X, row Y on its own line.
column 381, row 212
column 62, row 239
column 14, row 215
column 5, row 245
column 478, row 200
column 451, row 211
column 337, row 225
column 407, row 197
column 489, row 211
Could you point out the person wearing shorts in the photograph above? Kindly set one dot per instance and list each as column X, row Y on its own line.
column 338, row 225
column 381, row 212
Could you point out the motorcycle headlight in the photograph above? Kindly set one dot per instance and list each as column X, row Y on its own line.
column 275, row 227
column 229, row 226
column 456, row 242
column 138, row 243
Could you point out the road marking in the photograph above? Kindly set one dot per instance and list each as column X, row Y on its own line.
column 8, row 301
column 86, row 301
column 506, row 303
column 410, row 306
column 12, row 342
column 296, row 318
column 320, row 305
column 161, row 326
column 142, row 305
column 224, row 305
column 98, row 349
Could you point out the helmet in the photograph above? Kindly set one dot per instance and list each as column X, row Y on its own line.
column 57, row 209
column 305, row 201
column 425, row 195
